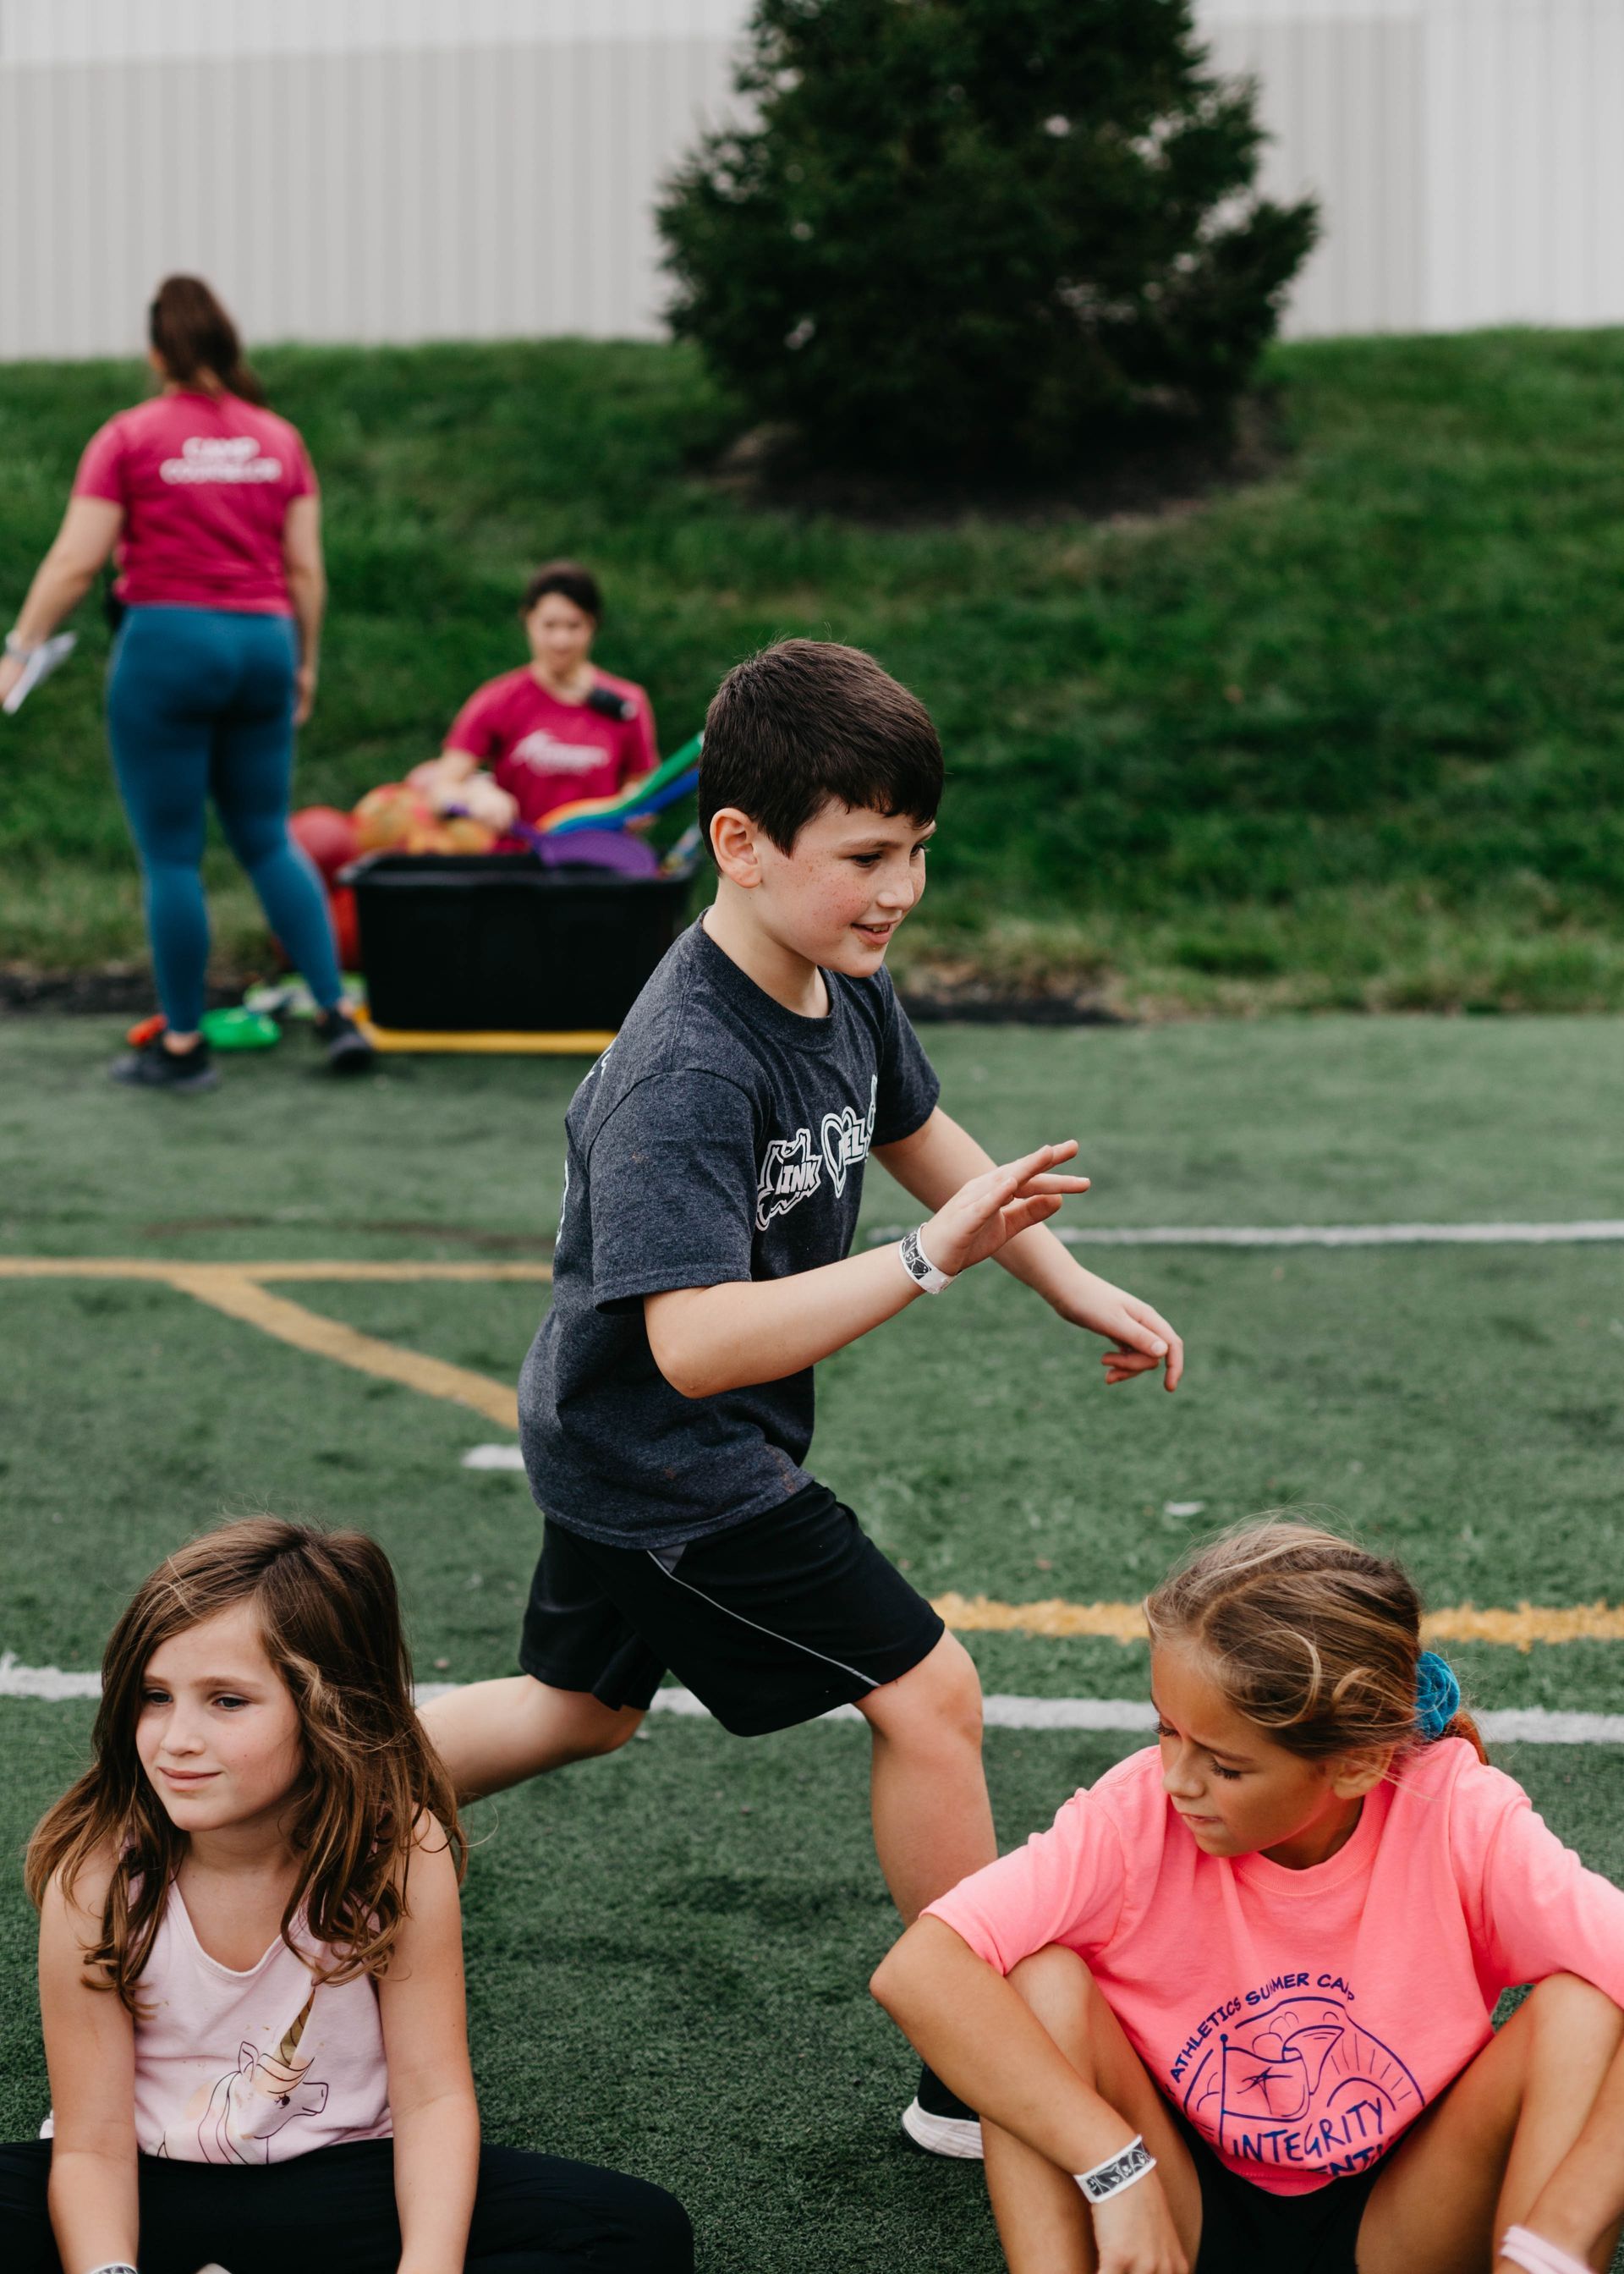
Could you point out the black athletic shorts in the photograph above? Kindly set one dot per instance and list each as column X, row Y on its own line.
column 1246, row 2230
column 773, row 1622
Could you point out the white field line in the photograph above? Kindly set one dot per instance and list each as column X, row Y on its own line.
column 1597, row 1229
column 1527, row 1725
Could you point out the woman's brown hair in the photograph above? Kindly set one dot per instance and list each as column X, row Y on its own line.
column 572, row 581
column 329, row 1619
column 1307, row 1634
column 198, row 340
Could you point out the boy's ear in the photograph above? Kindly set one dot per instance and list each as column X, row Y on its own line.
column 1354, row 1775
column 734, row 846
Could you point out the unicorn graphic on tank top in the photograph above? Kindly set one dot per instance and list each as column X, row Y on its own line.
column 252, row 2103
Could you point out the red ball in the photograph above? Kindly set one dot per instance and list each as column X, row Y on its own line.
column 328, row 836
column 346, row 929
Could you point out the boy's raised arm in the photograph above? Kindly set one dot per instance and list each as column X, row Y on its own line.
column 940, row 1158
column 706, row 1340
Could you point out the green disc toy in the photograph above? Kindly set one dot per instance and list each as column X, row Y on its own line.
column 238, row 1029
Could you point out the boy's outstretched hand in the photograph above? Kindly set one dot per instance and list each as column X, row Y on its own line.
column 997, row 1206
column 1141, row 1336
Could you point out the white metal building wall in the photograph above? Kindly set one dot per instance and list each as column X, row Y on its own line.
column 1467, row 155
column 400, row 169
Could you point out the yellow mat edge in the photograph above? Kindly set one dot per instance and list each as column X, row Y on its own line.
column 488, row 1042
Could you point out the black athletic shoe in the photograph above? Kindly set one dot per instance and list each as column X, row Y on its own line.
column 154, row 1067
column 348, row 1050
column 940, row 2123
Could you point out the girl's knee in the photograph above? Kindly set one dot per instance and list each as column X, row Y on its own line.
column 658, row 2235
column 1565, row 2003
column 1056, row 1984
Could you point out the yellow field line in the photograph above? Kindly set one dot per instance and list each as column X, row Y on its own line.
column 239, row 1297
column 236, row 1289
column 1124, row 1622
column 144, row 1266
column 85, row 1267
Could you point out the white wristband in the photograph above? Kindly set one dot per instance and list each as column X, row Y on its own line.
column 1535, row 2255
column 114, row 2266
column 1123, row 2169
column 919, row 1268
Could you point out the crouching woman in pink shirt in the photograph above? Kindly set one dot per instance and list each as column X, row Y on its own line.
column 1233, row 2011
column 555, row 732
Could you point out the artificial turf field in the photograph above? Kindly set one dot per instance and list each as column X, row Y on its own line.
column 668, row 1949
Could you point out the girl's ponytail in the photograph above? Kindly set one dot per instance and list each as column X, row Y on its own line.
column 198, row 343
column 1437, row 1704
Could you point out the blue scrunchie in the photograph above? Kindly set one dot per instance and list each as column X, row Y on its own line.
column 1438, row 1695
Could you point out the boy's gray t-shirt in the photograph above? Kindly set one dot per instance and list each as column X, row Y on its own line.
column 719, row 1137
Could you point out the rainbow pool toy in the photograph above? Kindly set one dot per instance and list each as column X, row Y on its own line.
column 652, row 795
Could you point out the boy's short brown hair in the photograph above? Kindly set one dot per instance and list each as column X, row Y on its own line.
column 805, row 721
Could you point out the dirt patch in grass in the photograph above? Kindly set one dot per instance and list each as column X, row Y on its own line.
column 1160, row 477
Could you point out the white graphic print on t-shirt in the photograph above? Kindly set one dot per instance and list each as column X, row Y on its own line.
column 792, row 1170
column 221, row 458
column 252, row 2103
column 547, row 755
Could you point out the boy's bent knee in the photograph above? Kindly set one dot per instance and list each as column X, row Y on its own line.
column 592, row 1729
column 939, row 1698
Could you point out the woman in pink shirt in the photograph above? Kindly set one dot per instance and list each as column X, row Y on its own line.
column 1234, row 2010
column 556, row 730
column 251, row 1961
column 209, row 502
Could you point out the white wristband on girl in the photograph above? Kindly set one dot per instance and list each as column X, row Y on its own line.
column 1123, row 2169
column 1535, row 2255
column 919, row 1268
column 114, row 2266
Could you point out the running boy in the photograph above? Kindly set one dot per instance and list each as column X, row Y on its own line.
column 714, row 1170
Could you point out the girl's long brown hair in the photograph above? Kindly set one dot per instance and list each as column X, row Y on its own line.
column 1306, row 1633
column 198, row 340
column 330, row 1621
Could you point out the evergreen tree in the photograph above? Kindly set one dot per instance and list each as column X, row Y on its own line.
column 986, row 236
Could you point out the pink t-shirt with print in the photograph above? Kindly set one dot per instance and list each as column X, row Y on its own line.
column 254, row 2067
column 1302, row 2021
column 204, row 482
column 545, row 753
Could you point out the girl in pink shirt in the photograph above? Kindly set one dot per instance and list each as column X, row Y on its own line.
column 1234, row 2010
column 251, row 1963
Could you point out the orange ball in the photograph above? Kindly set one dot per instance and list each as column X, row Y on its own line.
column 432, row 837
column 387, row 817
column 466, row 834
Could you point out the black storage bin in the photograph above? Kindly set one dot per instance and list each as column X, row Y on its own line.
column 457, row 942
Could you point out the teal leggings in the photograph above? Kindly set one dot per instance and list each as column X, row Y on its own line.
column 200, row 704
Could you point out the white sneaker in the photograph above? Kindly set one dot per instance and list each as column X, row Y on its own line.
column 938, row 2121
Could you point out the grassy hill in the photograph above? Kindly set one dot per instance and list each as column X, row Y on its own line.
column 1352, row 735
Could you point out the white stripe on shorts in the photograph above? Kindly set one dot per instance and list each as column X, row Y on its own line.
column 772, row 1633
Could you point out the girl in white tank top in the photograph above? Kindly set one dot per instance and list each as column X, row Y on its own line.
column 251, row 1960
